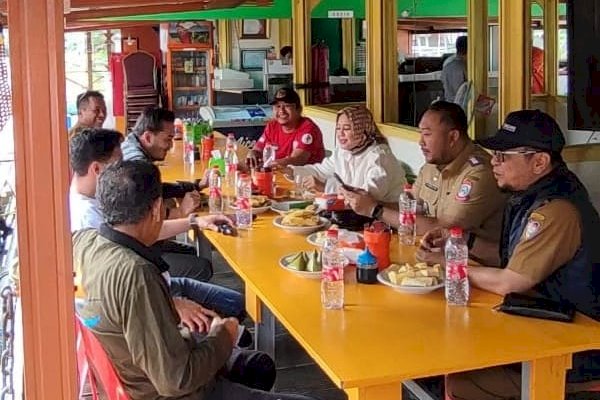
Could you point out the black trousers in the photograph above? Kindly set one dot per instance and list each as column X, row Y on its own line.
column 184, row 262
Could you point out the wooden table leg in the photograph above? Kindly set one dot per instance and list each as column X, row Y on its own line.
column 390, row 391
column 253, row 305
column 544, row 379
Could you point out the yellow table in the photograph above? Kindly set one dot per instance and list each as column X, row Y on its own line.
column 383, row 338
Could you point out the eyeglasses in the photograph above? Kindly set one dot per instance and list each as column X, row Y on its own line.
column 500, row 155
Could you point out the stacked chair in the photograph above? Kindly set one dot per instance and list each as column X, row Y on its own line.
column 139, row 87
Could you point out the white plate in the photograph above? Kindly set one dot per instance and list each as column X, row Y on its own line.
column 282, row 207
column 303, row 230
column 256, row 210
column 284, row 263
column 317, row 238
column 351, row 254
column 382, row 277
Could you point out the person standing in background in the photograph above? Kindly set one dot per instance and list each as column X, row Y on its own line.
column 454, row 71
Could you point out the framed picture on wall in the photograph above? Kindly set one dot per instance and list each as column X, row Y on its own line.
column 252, row 59
column 129, row 45
column 255, row 29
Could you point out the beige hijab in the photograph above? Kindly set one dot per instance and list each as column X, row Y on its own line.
column 363, row 125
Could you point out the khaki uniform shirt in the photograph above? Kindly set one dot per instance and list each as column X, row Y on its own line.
column 130, row 311
column 550, row 239
column 76, row 129
column 463, row 193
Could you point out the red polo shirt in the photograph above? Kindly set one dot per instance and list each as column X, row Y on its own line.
column 307, row 136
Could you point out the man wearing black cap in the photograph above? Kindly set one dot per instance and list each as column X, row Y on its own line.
column 548, row 244
column 298, row 139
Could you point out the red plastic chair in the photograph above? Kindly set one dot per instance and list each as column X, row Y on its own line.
column 93, row 362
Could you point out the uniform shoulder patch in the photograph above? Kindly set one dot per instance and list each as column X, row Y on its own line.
column 474, row 161
column 534, row 225
column 307, row 139
column 464, row 191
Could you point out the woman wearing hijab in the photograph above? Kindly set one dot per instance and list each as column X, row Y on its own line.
column 363, row 158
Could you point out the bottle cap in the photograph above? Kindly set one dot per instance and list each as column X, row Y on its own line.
column 332, row 233
column 366, row 258
column 456, row 231
column 407, row 186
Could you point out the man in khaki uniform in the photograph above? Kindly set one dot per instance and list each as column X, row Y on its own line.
column 455, row 187
column 91, row 112
column 548, row 245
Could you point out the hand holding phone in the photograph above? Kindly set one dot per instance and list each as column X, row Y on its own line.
column 344, row 185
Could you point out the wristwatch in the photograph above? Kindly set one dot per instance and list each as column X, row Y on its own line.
column 377, row 211
column 192, row 219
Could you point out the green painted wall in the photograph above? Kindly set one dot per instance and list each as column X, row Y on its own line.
column 330, row 31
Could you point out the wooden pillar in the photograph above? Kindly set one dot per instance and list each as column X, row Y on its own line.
column 302, row 48
column 514, row 88
column 224, row 40
column 382, row 68
column 348, row 43
column 285, row 32
column 42, row 178
column 477, row 54
column 551, row 54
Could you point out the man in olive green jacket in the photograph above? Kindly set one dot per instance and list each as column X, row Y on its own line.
column 130, row 311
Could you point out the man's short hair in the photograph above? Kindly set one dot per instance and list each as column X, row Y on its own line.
column 285, row 50
column 83, row 99
column 151, row 119
column 461, row 45
column 127, row 191
column 452, row 115
column 92, row 144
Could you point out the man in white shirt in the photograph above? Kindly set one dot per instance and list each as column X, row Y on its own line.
column 90, row 152
column 454, row 71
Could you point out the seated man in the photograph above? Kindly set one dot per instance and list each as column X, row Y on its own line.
column 548, row 246
column 150, row 140
column 298, row 139
column 363, row 158
column 130, row 311
column 91, row 112
column 90, row 152
column 456, row 185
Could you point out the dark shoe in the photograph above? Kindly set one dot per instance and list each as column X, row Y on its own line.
column 246, row 341
column 254, row 369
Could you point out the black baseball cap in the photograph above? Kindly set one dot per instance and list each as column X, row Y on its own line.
column 527, row 128
column 287, row 95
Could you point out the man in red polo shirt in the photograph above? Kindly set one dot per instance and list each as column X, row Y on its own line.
column 298, row 139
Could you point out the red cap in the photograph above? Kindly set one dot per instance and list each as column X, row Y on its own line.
column 332, row 232
column 456, row 231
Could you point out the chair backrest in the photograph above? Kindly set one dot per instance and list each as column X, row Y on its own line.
column 140, row 71
column 99, row 362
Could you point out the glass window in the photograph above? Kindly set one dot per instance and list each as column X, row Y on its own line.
column 426, row 41
column 339, row 57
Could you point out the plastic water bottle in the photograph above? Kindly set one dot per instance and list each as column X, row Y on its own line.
column 243, row 211
column 231, row 163
column 456, row 255
column 407, row 227
column 188, row 145
column 215, row 199
column 332, row 276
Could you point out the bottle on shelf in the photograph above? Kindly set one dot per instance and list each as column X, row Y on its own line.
column 332, row 275
column 456, row 255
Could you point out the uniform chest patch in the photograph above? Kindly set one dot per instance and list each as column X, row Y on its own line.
column 431, row 186
column 464, row 191
column 307, row 138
